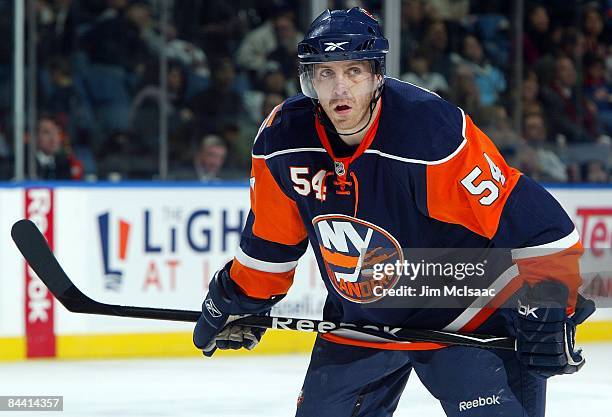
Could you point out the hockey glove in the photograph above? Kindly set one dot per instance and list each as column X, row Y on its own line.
column 224, row 304
column 545, row 335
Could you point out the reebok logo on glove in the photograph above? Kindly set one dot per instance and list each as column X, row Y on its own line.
column 479, row 402
column 525, row 310
column 212, row 308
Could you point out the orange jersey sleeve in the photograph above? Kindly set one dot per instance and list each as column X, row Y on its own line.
column 276, row 215
column 274, row 237
column 477, row 189
column 472, row 187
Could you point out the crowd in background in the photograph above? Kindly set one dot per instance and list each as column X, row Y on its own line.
column 230, row 63
column 464, row 51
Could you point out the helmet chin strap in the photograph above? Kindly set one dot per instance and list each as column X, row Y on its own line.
column 321, row 115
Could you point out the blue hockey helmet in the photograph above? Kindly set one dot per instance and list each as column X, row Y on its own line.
column 341, row 35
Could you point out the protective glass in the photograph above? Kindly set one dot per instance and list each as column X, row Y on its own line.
column 338, row 79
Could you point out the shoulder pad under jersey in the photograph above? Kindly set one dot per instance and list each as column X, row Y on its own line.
column 417, row 125
column 289, row 126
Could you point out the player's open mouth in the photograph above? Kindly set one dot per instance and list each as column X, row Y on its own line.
column 342, row 109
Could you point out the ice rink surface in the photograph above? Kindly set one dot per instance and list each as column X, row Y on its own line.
column 247, row 387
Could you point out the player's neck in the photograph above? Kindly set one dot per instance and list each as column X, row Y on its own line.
column 357, row 138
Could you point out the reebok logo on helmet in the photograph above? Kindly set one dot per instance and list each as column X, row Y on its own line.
column 332, row 46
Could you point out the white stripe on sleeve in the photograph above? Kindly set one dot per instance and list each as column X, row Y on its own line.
column 264, row 266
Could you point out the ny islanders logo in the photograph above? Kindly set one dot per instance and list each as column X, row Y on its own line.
column 350, row 248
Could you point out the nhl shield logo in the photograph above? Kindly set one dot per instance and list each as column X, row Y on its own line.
column 339, row 168
column 350, row 248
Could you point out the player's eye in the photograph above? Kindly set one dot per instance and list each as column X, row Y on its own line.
column 326, row 73
column 354, row 71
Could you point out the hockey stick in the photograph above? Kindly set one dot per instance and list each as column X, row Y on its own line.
column 36, row 251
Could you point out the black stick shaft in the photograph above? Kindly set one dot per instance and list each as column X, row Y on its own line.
column 36, row 251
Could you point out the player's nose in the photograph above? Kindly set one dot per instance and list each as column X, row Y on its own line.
column 341, row 88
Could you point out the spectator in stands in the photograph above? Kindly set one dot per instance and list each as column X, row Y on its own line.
column 240, row 138
column 453, row 10
column 594, row 171
column 527, row 161
column 116, row 38
column 210, row 158
column 45, row 19
column 492, row 27
column 577, row 123
column 65, row 97
column 121, row 159
column 191, row 57
column 122, row 38
column 56, row 27
column 593, row 29
column 274, row 82
column 420, row 75
column 257, row 45
column 599, row 91
column 118, row 53
column 498, row 127
column 464, row 92
column 61, row 95
column 535, row 134
column 414, row 26
column 116, row 157
column 52, row 162
column 573, row 173
column 489, row 79
column 572, row 44
column 435, row 45
column 218, row 25
column 220, row 102
column 145, row 113
column 187, row 53
column 284, row 56
column 239, row 141
column 536, row 40
column 530, row 94
column 270, row 101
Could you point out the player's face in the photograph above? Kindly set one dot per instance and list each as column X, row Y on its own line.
column 344, row 90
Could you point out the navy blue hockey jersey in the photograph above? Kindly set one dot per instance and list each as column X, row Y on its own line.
column 423, row 177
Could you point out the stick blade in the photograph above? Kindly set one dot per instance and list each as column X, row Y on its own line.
column 34, row 248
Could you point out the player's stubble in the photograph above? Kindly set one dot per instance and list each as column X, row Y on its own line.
column 359, row 98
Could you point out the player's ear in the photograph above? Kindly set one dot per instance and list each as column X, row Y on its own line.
column 379, row 80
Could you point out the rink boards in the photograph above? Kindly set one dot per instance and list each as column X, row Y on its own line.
column 156, row 245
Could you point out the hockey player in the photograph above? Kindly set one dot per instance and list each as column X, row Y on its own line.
column 360, row 160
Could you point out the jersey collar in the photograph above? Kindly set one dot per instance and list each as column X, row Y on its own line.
column 365, row 143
